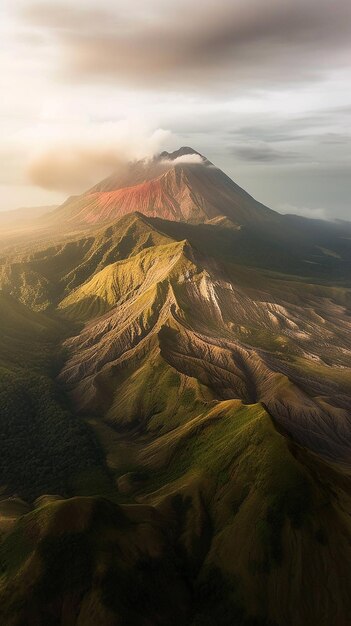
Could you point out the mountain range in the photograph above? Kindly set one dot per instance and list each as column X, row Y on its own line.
column 175, row 399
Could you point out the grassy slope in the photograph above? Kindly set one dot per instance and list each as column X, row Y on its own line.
column 118, row 280
column 41, row 277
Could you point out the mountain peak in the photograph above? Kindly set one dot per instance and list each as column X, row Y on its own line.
column 181, row 152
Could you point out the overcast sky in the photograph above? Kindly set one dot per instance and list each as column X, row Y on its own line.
column 261, row 87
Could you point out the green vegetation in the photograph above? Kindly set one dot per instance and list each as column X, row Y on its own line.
column 161, row 399
column 228, row 430
column 42, row 445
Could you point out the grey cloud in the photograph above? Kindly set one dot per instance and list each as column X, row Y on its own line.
column 272, row 133
column 195, row 44
column 313, row 126
column 335, row 138
column 263, row 153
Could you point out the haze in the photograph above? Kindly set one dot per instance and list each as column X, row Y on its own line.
column 261, row 88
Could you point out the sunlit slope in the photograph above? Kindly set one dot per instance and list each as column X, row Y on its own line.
column 118, row 281
column 41, row 277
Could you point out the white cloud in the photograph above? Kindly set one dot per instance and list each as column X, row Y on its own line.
column 186, row 158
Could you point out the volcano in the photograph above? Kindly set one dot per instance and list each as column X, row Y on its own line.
column 178, row 186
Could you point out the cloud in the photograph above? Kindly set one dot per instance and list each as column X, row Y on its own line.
column 310, row 212
column 167, row 44
column 186, row 158
column 74, row 159
column 71, row 168
column 263, row 153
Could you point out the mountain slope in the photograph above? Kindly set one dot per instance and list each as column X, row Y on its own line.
column 210, row 324
column 41, row 276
